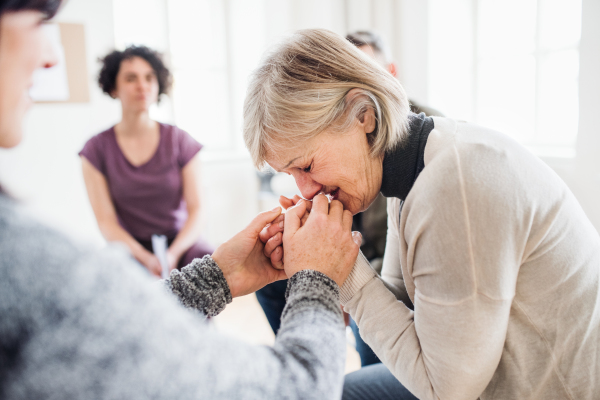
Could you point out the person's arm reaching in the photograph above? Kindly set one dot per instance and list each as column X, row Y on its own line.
column 236, row 268
column 241, row 266
column 308, row 353
column 111, row 332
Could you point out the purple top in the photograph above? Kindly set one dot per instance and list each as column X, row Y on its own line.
column 149, row 198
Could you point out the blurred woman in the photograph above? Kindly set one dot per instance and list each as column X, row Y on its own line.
column 78, row 324
column 488, row 243
column 142, row 176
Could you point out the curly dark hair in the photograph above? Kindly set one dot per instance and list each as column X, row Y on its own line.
column 111, row 63
column 47, row 7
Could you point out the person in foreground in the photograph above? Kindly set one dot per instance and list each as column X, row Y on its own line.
column 488, row 243
column 76, row 323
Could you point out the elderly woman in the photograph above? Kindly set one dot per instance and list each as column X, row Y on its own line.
column 496, row 254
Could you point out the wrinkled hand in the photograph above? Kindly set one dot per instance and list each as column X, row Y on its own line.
column 241, row 258
column 287, row 203
column 324, row 243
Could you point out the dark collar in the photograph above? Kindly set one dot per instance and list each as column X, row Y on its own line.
column 403, row 164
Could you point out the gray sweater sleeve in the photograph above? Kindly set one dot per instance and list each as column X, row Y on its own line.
column 93, row 324
column 312, row 304
column 201, row 286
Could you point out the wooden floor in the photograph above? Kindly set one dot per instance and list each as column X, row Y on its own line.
column 245, row 320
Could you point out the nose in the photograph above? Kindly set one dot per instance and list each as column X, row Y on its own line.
column 143, row 86
column 49, row 57
column 308, row 187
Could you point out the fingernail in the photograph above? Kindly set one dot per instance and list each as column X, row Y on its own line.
column 275, row 209
column 357, row 237
column 281, row 224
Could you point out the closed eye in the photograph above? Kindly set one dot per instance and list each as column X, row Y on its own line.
column 307, row 169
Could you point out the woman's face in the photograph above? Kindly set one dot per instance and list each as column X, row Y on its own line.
column 337, row 164
column 136, row 85
column 23, row 49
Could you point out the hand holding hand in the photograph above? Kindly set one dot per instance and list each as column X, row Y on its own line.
column 287, row 203
column 324, row 243
column 241, row 258
column 272, row 236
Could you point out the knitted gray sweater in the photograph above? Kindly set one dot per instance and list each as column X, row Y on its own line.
column 80, row 324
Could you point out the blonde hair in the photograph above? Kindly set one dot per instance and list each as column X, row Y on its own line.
column 301, row 89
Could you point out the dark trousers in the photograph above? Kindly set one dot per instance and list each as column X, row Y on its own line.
column 367, row 356
column 374, row 382
column 272, row 300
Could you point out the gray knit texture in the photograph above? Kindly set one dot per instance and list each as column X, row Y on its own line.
column 82, row 324
column 200, row 286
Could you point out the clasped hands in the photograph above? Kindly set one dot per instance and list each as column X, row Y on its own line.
column 313, row 235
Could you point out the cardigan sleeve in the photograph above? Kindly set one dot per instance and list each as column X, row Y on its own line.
column 464, row 277
column 391, row 272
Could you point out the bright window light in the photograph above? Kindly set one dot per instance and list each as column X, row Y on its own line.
column 523, row 68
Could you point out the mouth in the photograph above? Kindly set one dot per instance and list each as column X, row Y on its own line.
column 333, row 195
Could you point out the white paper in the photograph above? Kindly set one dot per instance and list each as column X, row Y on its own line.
column 159, row 245
column 51, row 84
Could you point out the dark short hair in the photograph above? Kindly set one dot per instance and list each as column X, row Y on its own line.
column 47, row 7
column 371, row 39
column 111, row 63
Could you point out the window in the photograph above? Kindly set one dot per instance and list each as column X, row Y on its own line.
column 212, row 46
column 517, row 63
column 201, row 90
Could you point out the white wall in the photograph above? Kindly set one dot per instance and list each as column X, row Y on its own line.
column 582, row 174
column 45, row 170
column 406, row 25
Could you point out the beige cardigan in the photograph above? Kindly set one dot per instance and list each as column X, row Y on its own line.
column 502, row 266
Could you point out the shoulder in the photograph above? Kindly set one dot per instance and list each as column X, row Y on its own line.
column 473, row 142
column 104, row 136
column 100, row 140
column 177, row 136
column 184, row 146
column 35, row 258
column 474, row 163
column 39, row 264
column 22, row 234
column 172, row 130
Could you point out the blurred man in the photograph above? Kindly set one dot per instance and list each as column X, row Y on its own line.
column 373, row 45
